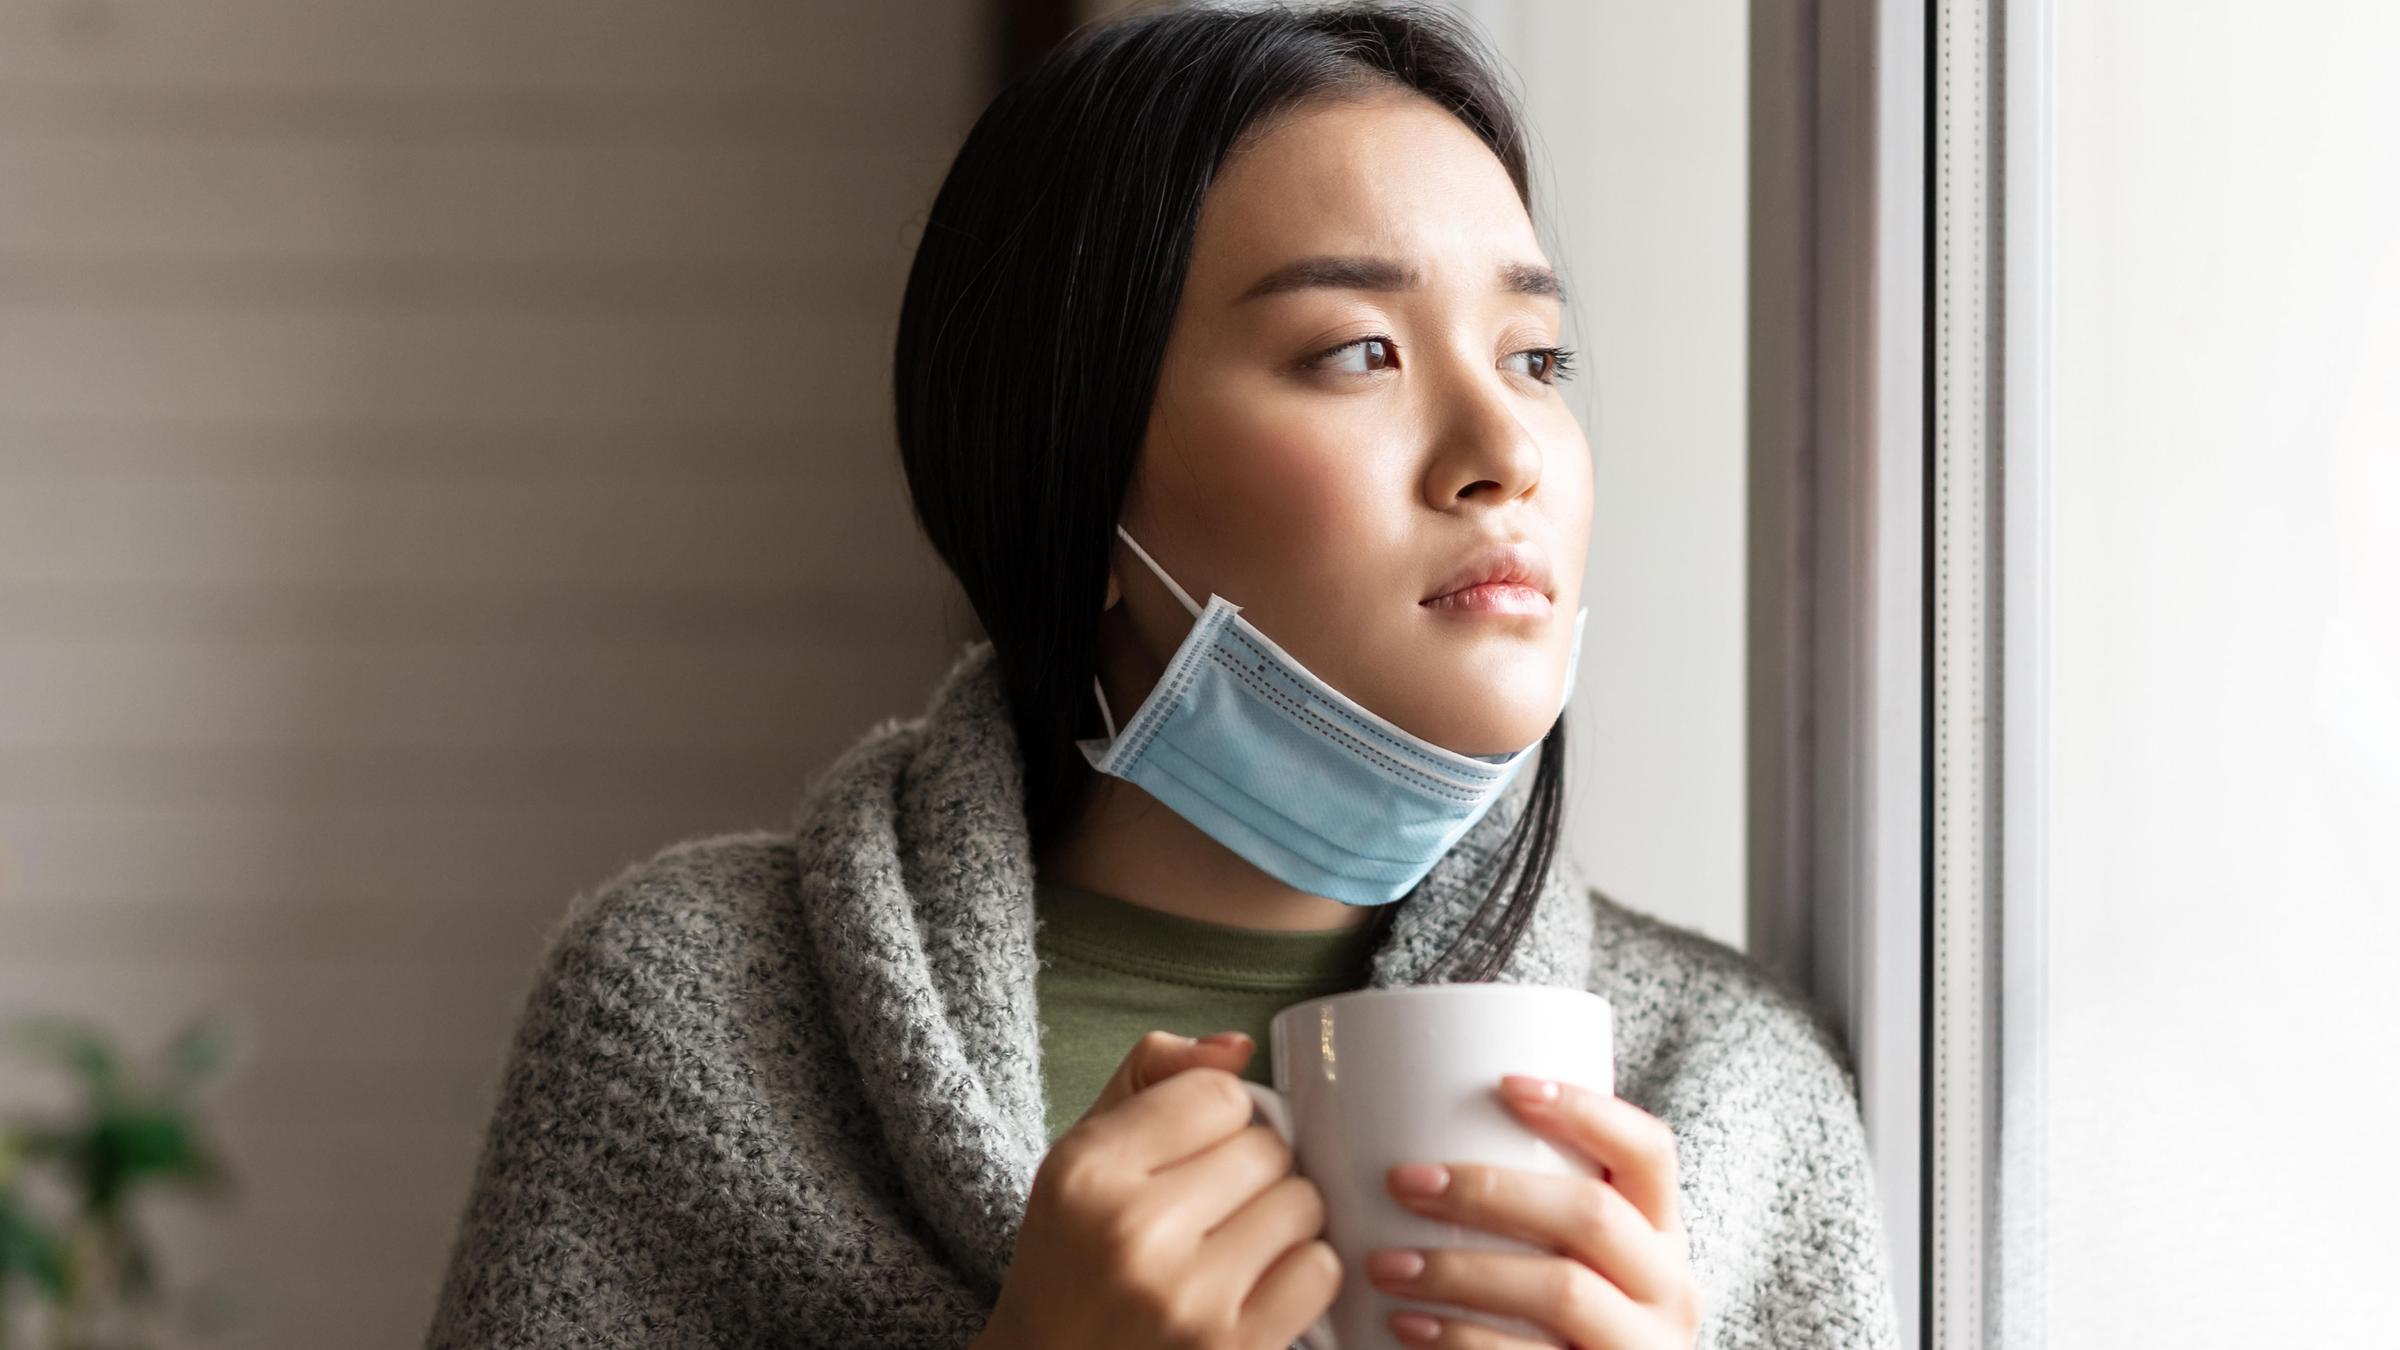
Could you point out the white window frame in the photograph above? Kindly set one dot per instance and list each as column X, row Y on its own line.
column 1840, row 805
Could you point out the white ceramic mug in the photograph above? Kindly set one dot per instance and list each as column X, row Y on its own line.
column 1373, row 1078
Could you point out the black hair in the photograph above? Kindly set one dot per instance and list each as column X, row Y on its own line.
column 1036, row 315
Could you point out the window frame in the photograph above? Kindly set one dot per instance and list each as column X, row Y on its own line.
column 1839, row 784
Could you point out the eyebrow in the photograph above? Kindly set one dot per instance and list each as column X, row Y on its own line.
column 1358, row 273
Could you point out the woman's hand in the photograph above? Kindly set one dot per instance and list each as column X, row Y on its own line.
column 1165, row 1218
column 1623, row 1279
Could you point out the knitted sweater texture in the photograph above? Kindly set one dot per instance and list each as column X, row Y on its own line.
column 784, row 1087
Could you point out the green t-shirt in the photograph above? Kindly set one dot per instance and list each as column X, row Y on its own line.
column 1112, row 970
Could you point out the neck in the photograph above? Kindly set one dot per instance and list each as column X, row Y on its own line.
column 1125, row 843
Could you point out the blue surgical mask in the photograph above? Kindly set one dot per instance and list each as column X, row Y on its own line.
column 1246, row 743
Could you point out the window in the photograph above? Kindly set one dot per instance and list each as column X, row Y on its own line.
column 2092, row 628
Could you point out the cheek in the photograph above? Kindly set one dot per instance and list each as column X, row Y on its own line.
column 1301, row 492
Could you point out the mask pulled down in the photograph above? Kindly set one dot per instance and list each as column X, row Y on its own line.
column 1245, row 742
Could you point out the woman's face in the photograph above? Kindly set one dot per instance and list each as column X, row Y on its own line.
column 1330, row 455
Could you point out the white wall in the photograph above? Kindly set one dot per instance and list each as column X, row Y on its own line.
column 443, row 457
column 1639, row 116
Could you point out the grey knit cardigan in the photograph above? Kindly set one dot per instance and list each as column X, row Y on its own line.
column 784, row 1087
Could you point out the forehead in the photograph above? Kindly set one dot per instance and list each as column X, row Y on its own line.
column 1392, row 173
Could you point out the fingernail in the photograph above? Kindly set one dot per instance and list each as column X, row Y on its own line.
column 1409, row 1326
column 1224, row 1038
column 1528, row 1089
column 1421, row 1178
column 1395, row 1263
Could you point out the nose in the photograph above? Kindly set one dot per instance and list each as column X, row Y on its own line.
column 1484, row 450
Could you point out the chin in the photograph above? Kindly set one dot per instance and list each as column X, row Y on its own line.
column 1469, row 706
column 1498, row 735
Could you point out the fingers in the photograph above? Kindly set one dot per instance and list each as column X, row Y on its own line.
column 1206, row 1189
column 1637, row 1148
column 1288, row 1212
column 1170, row 1120
column 1555, row 1292
column 1160, row 1055
column 1580, row 1217
column 1299, row 1285
column 1457, row 1333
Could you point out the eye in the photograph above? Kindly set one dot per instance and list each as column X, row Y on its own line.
column 1361, row 345
column 1558, row 363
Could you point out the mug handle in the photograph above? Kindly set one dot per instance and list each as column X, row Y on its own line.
column 1276, row 1110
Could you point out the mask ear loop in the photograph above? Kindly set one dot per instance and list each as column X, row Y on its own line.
column 1161, row 573
column 1180, row 594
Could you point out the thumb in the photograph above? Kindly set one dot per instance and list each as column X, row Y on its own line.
column 1160, row 1055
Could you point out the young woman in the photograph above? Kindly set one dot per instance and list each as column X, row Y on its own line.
column 1228, row 385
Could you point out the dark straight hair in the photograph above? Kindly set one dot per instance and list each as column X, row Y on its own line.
column 1036, row 316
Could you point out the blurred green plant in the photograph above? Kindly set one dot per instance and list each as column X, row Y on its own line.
column 84, row 1255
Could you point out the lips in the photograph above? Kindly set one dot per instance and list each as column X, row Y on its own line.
column 1500, row 563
